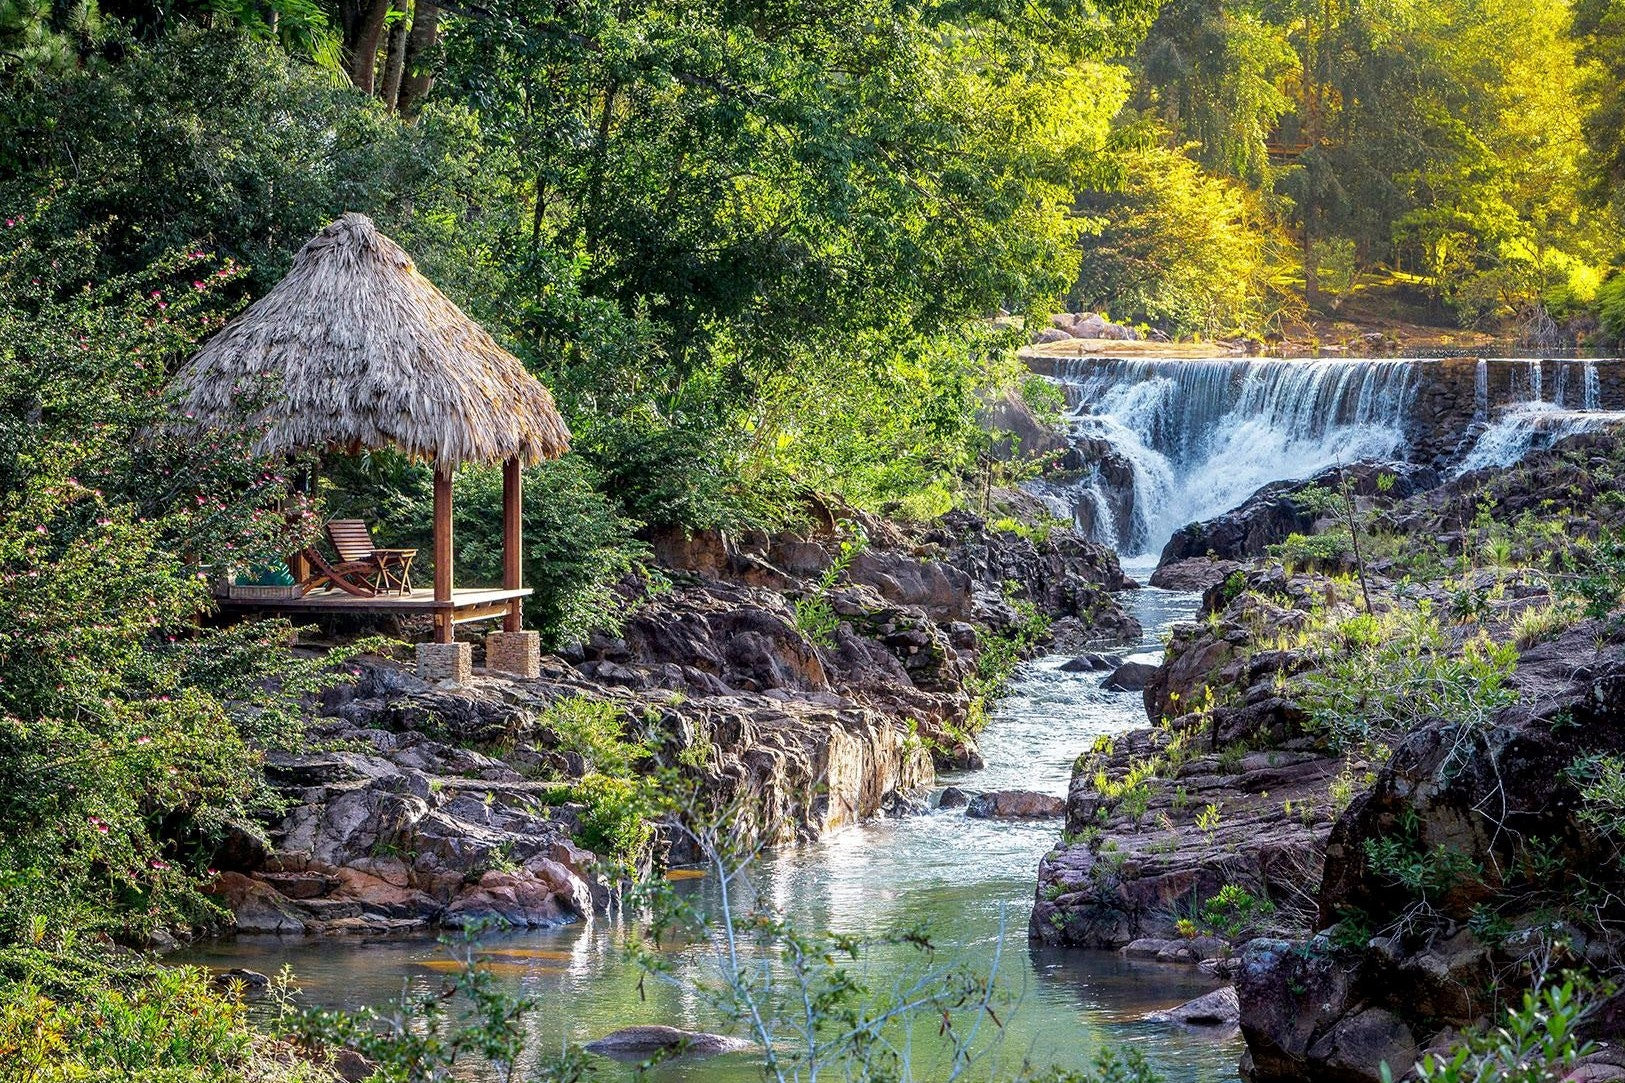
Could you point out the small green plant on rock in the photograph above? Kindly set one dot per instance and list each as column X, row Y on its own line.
column 816, row 618
column 1207, row 821
column 1134, row 803
column 1235, row 909
column 594, row 730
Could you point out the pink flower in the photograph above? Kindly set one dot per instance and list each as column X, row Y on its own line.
column 159, row 863
column 143, row 740
column 198, row 286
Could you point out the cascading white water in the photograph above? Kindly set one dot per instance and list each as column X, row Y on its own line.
column 1534, row 422
column 1185, row 440
column 1201, row 436
column 1524, row 425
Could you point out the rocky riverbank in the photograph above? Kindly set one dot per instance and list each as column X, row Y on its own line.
column 798, row 700
column 1381, row 823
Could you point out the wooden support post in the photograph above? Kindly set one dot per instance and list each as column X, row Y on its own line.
column 512, row 521
column 443, row 625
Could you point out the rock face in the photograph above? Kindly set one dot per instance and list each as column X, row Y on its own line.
column 1489, row 805
column 408, row 834
column 419, row 806
column 1212, row 826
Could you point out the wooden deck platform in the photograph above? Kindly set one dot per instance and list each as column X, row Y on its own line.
column 465, row 605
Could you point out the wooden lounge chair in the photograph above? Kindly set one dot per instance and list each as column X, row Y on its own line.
column 352, row 540
column 351, row 576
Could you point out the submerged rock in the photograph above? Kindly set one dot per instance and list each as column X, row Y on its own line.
column 1216, row 1009
column 640, row 1042
column 1015, row 805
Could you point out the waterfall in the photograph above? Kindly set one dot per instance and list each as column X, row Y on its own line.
column 1202, row 436
column 1158, row 443
column 1524, row 426
column 1529, row 422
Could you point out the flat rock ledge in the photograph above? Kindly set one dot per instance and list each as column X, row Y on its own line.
column 1148, row 879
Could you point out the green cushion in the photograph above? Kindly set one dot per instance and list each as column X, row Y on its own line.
column 267, row 575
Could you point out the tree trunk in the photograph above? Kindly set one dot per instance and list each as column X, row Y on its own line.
column 362, row 24
column 1311, row 272
column 420, row 42
column 395, row 62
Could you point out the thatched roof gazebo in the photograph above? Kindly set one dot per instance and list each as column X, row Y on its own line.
column 355, row 350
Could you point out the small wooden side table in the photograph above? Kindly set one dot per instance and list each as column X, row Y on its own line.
column 394, row 570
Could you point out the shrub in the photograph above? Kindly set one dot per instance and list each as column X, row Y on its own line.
column 594, row 729
column 1392, row 672
column 171, row 1025
column 1235, row 909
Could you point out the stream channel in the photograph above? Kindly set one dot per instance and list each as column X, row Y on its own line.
column 969, row 881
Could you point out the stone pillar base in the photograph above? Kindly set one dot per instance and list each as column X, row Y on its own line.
column 446, row 661
column 518, row 653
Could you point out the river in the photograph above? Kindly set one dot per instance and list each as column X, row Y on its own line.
column 970, row 881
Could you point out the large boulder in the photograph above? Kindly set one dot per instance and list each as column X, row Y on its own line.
column 1216, row 1009
column 1129, row 677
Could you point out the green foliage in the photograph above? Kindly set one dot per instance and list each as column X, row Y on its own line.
column 616, row 822
column 129, row 735
column 1602, row 792
column 1537, row 1043
column 1234, row 910
column 1184, row 251
column 171, row 1025
column 1423, row 874
column 1312, row 550
column 1001, row 651
column 1611, row 307
column 1383, row 675
column 1603, row 582
column 594, row 729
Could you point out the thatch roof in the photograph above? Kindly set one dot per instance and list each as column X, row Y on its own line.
column 356, row 350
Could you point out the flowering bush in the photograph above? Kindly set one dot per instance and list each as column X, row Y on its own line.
column 129, row 735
